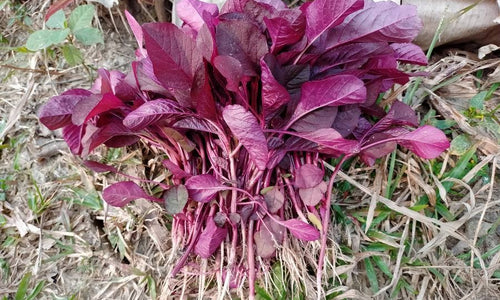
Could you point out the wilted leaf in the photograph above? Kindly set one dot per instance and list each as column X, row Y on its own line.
column 312, row 196
column 264, row 244
column 99, row 167
column 308, row 176
column 175, row 199
column 274, row 199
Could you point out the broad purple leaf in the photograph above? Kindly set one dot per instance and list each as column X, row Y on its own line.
column 378, row 22
column 301, row 230
column 322, row 15
column 312, row 196
column 426, row 141
column 383, row 144
column 400, row 114
column 330, row 141
column 150, row 113
column 121, row 193
column 247, row 130
column 274, row 95
column 136, row 30
column 175, row 58
column 210, row 239
column 347, row 119
column 196, row 124
column 57, row 112
column 202, row 96
column 243, row 41
column 308, row 176
column 175, row 199
column 95, row 136
column 203, row 188
column 194, row 12
column 351, row 56
column 99, row 167
column 320, row 118
column 231, row 69
column 94, row 105
column 409, row 53
column 264, row 245
column 331, row 91
column 285, row 28
column 274, row 198
column 72, row 134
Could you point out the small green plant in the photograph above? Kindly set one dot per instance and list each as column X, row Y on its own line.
column 22, row 290
column 78, row 27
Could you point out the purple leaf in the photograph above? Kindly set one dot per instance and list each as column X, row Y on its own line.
column 301, row 230
column 136, row 30
column 243, row 41
column 99, row 167
column 331, row 142
column 320, row 118
column 286, row 28
column 378, row 22
column 194, row 13
column 347, row 119
column 231, row 69
column 94, row 105
column 150, row 113
column 247, row 130
column 203, row 188
column 351, row 56
column 322, row 15
column 210, row 239
column 274, row 95
column 308, row 176
column 57, row 112
column 409, row 53
column 175, row 58
column 175, row 199
column 400, row 114
column 121, row 193
column 176, row 171
column 384, row 144
column 274, row 198
column 427, row 141
column 312, row 196
column 331, row 91
column 72, row 135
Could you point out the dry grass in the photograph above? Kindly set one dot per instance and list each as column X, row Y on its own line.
column 380, row 247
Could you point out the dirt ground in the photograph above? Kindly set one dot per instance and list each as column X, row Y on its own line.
column 55, row 228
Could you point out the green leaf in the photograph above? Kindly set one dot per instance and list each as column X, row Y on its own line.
column 460, row 144
column 37, row 290
column 42, row 39
column 477, row 101
column 81, row 17
column 261, row 294
column 56, row 20
column 72, row 55
column 372, row 275
column 89, row 36
column 175, row 199
column 23, row 286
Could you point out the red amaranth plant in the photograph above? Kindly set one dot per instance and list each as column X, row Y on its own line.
column 240, row 99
